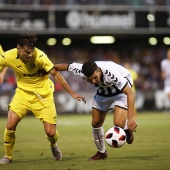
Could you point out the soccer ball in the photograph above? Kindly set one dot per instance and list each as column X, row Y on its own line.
column 115, row 137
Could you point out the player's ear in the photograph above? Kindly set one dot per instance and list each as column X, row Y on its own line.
column 18, row 48
column 99, row 70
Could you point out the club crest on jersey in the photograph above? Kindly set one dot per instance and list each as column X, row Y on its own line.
column 41, row 56
column 32, row 65
column 119, row 84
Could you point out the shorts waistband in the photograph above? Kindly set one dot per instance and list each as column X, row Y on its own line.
column 108, row 95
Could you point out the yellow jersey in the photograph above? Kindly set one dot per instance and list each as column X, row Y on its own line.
column 27, row 76
column 1, row 50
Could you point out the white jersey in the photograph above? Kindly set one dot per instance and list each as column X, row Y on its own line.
column 165, row 67
column 115, row 77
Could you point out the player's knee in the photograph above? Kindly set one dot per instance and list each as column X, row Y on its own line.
column 50, row 132
column 10, row 126
column 96, row 124
column 119, row 123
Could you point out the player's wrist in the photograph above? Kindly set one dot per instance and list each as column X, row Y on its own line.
column 129, row 116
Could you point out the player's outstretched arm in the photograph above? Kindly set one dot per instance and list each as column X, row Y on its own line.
column 59, row 78
column 2, row 75
column 61, row 67
column 130, row 101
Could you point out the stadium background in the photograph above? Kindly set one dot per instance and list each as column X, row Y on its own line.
column 131, row 22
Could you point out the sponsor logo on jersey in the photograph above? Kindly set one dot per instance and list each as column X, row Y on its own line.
column 30, row 75
column 119, row 84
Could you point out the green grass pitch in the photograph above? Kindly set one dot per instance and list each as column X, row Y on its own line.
column 150, row 150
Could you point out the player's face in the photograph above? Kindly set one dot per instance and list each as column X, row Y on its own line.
column 25, row 53
column 95, row 78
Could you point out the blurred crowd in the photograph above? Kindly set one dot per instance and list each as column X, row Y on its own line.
column 87, row 2
column 144, row 60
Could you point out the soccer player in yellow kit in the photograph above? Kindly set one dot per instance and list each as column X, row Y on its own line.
column 34, row 92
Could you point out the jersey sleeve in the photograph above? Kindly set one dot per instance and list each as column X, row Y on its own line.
column 116, row 79
column 1, row 49
column 76, row 69
column 2, row 62
column 45, row 62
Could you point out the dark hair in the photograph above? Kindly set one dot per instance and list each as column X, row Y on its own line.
column 89, row 68
column 27, row 39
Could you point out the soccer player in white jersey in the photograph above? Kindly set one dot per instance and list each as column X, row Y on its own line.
column 165, row 74
column 34, row 92
column 114, row 84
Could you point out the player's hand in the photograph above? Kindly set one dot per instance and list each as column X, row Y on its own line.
column 132, row 124
column 79, row 97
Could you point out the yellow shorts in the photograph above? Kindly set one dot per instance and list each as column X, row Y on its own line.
column 43, row 108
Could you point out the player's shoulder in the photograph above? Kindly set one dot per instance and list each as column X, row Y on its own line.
column 38, row 50
column 39, row 53
column 10, row 54
column 108, row 65
column 103, row 63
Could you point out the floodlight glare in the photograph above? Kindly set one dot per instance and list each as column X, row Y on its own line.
column 152, row 41
column 102, row 39
column 166, row 40
column 51, row 41
column 150, row 17
column 66, row 41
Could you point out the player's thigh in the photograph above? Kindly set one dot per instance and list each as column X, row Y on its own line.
column 47, row 114
column 120, row 116
column 19, row 104
column 98, row 117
